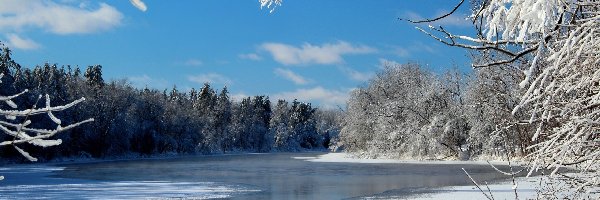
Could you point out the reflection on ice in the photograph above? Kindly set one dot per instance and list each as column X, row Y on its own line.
column 123, row 190
column 248, row 176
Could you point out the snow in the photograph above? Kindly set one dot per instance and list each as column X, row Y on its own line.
column 33, row 182
column 526, row 190
column 348, row 158
column 121, row 190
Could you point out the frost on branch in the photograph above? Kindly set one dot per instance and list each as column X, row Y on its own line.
column 558, row 39
column 563, row 81
column 21, row 132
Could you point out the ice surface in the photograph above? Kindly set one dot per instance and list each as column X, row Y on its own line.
column 248, row 176
column 120, row 190
column 33, row 183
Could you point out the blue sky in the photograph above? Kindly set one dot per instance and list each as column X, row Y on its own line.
column 312, row 50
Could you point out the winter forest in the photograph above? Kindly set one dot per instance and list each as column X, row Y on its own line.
column 131, row 122
column 533, row 96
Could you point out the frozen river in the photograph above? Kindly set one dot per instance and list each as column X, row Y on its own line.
column 248, row 176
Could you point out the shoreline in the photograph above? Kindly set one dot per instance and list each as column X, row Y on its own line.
column 349, row 158
column 71, row 160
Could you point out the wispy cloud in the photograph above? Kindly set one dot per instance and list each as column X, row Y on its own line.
column 143, row 81
column 57, row 17
column 385, row 62
column 327, row 53
column 290, row 75
column 15, row 41
column 212, row 78
column 193, row 62
column 356, row 75
column 250, row 56
column 239, row 96
column 139, row 5
column 413, row 48
column 402, row 51
column 319, row 95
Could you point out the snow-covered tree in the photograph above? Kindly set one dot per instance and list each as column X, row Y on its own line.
column 279, row 126
column 558, row 39
column 406, row 111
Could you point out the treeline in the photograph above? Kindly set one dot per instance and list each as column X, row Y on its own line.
column 408, row 111
column 133, row 122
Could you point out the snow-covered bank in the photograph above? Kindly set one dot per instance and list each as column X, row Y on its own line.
column 348, row 158
column 502, row 190
column 527, row 189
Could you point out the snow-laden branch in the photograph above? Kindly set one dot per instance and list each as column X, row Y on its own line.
column 21, row 133
column 270, row 4
column 34, row 111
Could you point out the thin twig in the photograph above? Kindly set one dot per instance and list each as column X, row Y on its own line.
column 477, row 185
column 437, row 18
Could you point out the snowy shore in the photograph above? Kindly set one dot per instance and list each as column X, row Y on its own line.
column 526, row 187
column 348, row 158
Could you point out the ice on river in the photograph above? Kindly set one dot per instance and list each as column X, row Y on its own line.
column 34, row 183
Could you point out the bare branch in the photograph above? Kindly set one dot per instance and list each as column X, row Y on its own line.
column 437, row 18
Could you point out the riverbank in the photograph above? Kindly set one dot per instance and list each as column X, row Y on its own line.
column 349, row 158
column 526, row 186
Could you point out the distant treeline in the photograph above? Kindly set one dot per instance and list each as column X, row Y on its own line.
column 133, row 122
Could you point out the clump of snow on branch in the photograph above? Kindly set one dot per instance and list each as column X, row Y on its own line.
column 520, row 19
column 270, row 4
column 22, row 133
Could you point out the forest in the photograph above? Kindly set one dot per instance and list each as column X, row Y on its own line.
column 405, row 111
column 131, row 122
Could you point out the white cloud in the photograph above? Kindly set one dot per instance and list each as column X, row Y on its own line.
column 193, row 62
column 314, row 54
column 290, row 75
column 211, row 78
column 250, row 56
column 319, row 95
column 15, row 41
column 144, row 81
column 139, row 5
column 57, row 17
column 356, row 75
